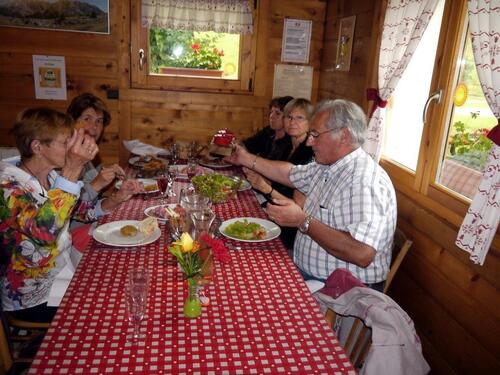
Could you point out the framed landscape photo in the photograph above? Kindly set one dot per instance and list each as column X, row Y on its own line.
column 344, row 43
column 91, row 16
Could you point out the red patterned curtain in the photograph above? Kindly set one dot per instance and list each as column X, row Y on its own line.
column 480, row 224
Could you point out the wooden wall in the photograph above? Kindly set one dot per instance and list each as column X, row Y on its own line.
column 454, row 303
column 350, row 85
column 97, row 63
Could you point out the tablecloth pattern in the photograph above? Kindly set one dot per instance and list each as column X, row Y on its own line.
column 261, row 319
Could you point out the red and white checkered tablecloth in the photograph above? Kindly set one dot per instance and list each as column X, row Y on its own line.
column 261, row 319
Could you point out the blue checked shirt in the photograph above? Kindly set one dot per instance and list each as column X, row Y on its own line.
column 353, row 195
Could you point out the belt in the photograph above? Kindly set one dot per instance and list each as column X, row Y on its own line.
column 377, row 286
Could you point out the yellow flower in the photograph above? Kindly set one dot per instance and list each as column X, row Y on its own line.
column 186, row 242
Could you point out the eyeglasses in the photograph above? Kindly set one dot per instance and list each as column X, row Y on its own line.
column 91, row 119
column 296, row 118
column 315, row 134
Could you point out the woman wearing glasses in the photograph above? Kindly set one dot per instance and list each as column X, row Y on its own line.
column 297, row 114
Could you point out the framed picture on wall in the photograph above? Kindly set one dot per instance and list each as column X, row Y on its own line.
column 90, row 16
column 344, row 43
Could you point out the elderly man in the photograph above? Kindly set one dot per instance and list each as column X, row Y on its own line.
column 349, row 214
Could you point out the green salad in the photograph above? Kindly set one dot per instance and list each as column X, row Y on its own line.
column 245, row 230
column 215, row 186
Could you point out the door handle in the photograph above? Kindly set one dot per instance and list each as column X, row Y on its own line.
column 141, row 58
column 434, row 96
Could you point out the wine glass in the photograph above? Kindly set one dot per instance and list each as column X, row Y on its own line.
column 174, row 153
column 163, row 182
column 136, row 297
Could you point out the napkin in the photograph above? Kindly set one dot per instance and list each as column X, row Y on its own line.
column 137, row 147
column 63, row 278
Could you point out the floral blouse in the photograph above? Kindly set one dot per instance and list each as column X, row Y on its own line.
column 34, row 238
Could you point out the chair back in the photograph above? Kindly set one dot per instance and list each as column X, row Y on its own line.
column 400, row 248
column 357, row 342
column 5, row 356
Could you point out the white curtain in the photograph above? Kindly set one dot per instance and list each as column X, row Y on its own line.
column 480, row 224
column 404, row 24
column 222, row 16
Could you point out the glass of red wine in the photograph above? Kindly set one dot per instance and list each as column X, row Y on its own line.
column 163, row 180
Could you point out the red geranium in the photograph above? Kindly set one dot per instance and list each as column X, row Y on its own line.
column 219, row 250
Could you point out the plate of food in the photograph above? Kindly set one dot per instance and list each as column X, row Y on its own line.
column 249, row 229
column 164, row 212
column 127, row 233
column 150, row 185
column 244, row 185
column 214, row 163
column 148, row 163
column 181, row 170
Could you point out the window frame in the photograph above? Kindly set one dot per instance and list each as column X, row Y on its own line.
column 141, row 79
column 446, row 68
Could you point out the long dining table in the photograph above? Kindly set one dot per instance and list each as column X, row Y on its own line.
column 261, row 319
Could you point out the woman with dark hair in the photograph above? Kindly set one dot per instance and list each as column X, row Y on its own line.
column 92, row 115
column 272, row 142
column 297, row 114
column 36, row 204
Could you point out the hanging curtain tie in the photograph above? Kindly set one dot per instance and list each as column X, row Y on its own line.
column 373, row 95
column 494, row 134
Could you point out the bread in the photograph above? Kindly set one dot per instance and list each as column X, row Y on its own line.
column 128, row 231
column 148, row 226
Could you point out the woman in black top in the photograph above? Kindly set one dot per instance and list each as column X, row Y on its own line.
column 297, row 114
column 272, row 142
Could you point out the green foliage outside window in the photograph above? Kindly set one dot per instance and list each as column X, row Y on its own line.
column 183, row 49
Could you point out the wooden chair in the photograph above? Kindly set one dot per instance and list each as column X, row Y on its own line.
column 400, row 248
column 17, row 338
column 358, row 340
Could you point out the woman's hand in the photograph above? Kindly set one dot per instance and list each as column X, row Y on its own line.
column 126, row 191
column 257, row 181
column 107, row 176
column 81, row 149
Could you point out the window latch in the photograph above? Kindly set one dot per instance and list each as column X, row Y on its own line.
column 434, row 96
column 141, row 58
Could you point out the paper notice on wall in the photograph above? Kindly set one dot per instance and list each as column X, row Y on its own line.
column 296, row 41
column 293, row 80
column 49, row 73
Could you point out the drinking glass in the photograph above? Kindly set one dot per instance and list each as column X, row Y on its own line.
column 163, row 180
column 174, row 153
column 192, row 167
column 136, row 297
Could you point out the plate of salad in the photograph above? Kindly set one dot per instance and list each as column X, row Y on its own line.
column 249, row 229
column 217, row 187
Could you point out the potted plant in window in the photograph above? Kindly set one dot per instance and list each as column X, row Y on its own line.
column 197, row 57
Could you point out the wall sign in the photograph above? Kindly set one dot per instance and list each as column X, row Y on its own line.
column 49, row 73
column 344, row 43
column 293, row 80
column 296, row 41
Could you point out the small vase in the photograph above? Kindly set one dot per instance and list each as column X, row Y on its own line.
column 192, row 306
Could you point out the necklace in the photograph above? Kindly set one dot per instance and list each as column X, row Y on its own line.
column 24, row 166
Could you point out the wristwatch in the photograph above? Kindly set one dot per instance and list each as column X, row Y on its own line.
column 304, row 227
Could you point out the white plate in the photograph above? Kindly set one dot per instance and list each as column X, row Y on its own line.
column 150, row 211
column 216, row 163
column 138, row 163
column 181, row 170
column 271, row 228
column 143, row 181
column 109, row 234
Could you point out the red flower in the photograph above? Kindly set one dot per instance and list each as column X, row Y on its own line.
column 195, row 47
column 218, row 53
column 219, row 250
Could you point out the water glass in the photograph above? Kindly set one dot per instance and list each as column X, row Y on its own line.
column 136, row 299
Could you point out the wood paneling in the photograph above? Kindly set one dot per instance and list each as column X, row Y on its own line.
column 97, row 63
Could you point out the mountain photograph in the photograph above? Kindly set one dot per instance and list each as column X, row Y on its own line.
column 74, row 15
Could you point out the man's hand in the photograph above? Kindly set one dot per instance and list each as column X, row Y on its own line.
column 285, row 212
column 240, row 156
column 106, row 176
column 81, row 149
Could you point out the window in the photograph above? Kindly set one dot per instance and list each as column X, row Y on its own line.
column 442, row 159
column 191, row 60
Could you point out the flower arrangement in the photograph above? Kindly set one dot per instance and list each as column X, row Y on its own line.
column 196, row 264
column 199, row 53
